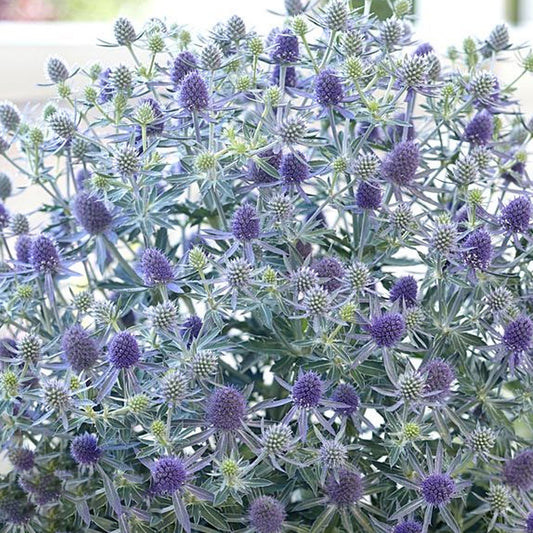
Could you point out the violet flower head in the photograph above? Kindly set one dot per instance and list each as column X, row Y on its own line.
column 346, row 393
column 123, row 350
column 518, row 334
column 85, row 450
column 330, row 272
column 439, row 378
column 368, row 195
column 190, row 329
column 345, row 488
column 400, row 165
column 107, row 89
column 409, row 526
column 266, row 515
column 193, row 95
column 307, row 390
column 516, row 215
column 423, row 49
column 294, row 168
column 388, row 329
column 405, row 290
column 285, row 47
column 518, row 472
column 80, row 349
column 44, row 256
column 328, row 88
column 91, row 213
column 15, row 508
column 245, row 223
column 438, row 489
column 22, row 459
column 479, row 130
column 23, row 247
column 184, row 63
column 477, row 250
column 226, row 409
column 156, row 268
column 169, row 474
column 258, row 174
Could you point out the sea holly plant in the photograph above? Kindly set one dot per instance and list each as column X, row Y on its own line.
column 274, row 283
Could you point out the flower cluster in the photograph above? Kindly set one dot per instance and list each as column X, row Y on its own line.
column 274, row 284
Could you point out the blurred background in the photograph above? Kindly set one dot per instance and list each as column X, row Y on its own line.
column 32, row 30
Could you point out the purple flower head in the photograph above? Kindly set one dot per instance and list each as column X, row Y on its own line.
column 331, row 273
column 193, row 95
column 438, row 489
column 81, row 351
column 285, row 47
column 190, row 329
column 15, row 507
column 91, row 213
column 400, row 165
column 290, row 76
column 328, row 88
column 44, row 488
column 409, row 526
column 423, row 49
column 85, row 450
column 307, row 390
column 4, row 216
column 22, row 459
column 439, row 377
column 245, row 223
column 345, row 488
column 294, row 168
column 516, row 215
column 529, row 523
column 266, row 515
column 405, row 289
column 23, row 248
column 477, row 250
column 368, row 195
column 123, row 350
column 346, row 393
column 257, row 174
column 107, row 90
column 156, row 268
column 169, row 474
column 226, row 409
column 44, row 256
column 82, row 176
column 388, row 329
column 518, row 472
column 184, row 64
column 518, row 334
column 479, row 129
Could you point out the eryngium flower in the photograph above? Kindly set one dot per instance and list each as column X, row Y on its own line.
column 391, row 32
column 174, row 386
column 156, row 268
column 366, row 165
column 516, row 215
column 307, row 390
column 336, row 15
column 235, row 28
column 44, row 256
column 124, row 31
column 482, row 440
column 56, row 70
column 518, row 472
column 499, row 37
column 404, row 289
column 294, row 168
column 123, row 350
column 81, row 350
column 328, row 88
column 92, row 213
column 518, row 334
column 292, row 131
column 190, row 329
column 266, row 515
column 409, row 526
column 121, row 78
column 444, row 237
column 529, row 523
column 85, row 450
column 193, row 94
column 285, row 47
column 126, row 161
column 258, row 174
column 439, row 377
column 479, row 129
column 56, row 395
column 211, row 56
column 163, row 315
column 204, row 364
column 333, row 454
column 19, row 224
column 22, row 459
column 401, row 164
column 438, row 489
column 410, row 386
column 388, row 329
column 184, row 64
column 344, row 488
column 9, row 116
column 169, row 474
column 245, row 223
column 238, row 273
column 368, row 195
column 226, row 409
column 477, row 250
column 346, row 393
column 62, row 125
column 330, row 273
column 23, row 248
column 276, row 438
column 15, row 508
